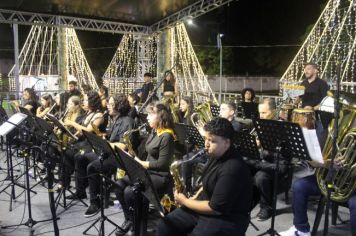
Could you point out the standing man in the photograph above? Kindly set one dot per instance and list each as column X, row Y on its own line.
column 72, row 89
column 147, row 87
column 315, row 90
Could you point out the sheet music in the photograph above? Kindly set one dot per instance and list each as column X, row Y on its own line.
column 313, row 145
column 8, row 126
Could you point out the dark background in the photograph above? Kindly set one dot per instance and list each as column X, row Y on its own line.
column 261, row 37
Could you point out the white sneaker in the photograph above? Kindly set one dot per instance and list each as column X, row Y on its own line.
column 292, row 231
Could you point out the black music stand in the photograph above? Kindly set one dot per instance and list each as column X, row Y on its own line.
column 215, row 110
column 246, row 144
column 8, row 128
column 28, row 146
column 280, row 137
column 103, row 149
column 65, row 188
column 142, row 187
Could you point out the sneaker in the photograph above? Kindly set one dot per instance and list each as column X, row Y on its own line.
column 264, row 214
column 77, row 196
column 292, row 231
column 92, row 210
column 125, row 227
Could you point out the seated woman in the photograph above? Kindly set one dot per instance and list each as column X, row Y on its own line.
column 93, row 117
column 222, row 205
column 186, row 110
column 159, row 147
column 104, row 93
column 46, row 105
column 249, row 107
column 29, row 100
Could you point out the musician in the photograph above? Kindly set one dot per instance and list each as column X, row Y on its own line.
column 88, row 165
column 302, row 189
column 264, row 169
column 170, row 85
column 223, row 205
column 186, row 110
column 315, row 90
column 60, row 100
column 133, row 99
column 159, row 148
column 147, row 87
column 227, row 111
column 249, row 107
column 30, row 100
column 103, row 93
column 93, row 116
column 73, row 90
column 46, row 104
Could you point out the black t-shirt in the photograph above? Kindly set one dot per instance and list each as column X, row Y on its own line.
column 34, row 105
column 227, row 184
column 314, row 92
column 160, row 152
column 75, row 92
column 236, row 125
column 168, row 86
column 250, row 110
column 146, row 89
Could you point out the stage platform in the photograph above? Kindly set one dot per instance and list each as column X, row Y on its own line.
column 73, row 222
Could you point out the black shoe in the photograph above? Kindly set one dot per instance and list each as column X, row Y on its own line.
column 92, row 210
column 77, row 196
column 264, row 214
column 125, row 227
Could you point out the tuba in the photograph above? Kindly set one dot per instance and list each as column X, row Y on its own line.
column 202, row 115
column 344, row 179
column 166, row 202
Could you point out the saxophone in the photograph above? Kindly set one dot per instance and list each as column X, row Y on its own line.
column 126, row 138
column 166, row 202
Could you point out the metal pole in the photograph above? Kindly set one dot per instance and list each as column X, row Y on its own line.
column 16, row 70
column 220, row 47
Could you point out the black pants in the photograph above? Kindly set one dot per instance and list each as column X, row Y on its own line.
column 88, row 167
column 125, row 194
column 264, row 180
column 182, row 222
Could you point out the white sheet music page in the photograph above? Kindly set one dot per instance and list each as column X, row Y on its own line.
column 9, row 125
column 313, row 145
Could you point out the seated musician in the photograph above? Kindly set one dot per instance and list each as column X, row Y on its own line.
column 159, row 148
column 73, row 89
column 227, row 111
column 264, row 168
column 104, row 94
column 249, row 107
column 134, row 99
column 186, row 110
column 88, row 165
column 46, row 104
column 30, row 100
column 222, row 205
column 315, row 91
column 93, row 116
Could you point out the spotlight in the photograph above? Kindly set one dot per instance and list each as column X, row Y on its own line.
column 190, row 21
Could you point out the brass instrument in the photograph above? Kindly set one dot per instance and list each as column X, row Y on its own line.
column 68, row 115
column 202, row 115
column 126, row 138
column 169, row 101
column 344, row 179
column 166, row 202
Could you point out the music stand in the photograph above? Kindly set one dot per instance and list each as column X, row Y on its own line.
column 246, row 144
column 65, row 188
column 142, row 187
column 215, row 110
column 103, row 149
column 277, row 136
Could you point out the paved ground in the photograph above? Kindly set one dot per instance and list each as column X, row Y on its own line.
column 72, row 221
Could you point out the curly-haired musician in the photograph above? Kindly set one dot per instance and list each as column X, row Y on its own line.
column 222, row 207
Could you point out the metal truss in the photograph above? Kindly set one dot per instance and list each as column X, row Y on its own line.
column 29, row 18
column 192, row 11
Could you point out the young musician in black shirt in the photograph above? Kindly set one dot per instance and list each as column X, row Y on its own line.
column 147, row 87
column 159, row 148
column 73, row 90
column 249, row 107
column 227, row 111
column 223, row 204
column 185, row 110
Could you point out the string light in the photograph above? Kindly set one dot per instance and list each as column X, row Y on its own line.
column 331, row 43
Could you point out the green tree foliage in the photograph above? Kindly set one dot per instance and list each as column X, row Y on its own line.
column 209, row 59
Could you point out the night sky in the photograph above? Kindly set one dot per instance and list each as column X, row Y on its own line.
column 259, row 25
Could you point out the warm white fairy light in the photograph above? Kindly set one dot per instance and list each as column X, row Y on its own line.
column 331, row 43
